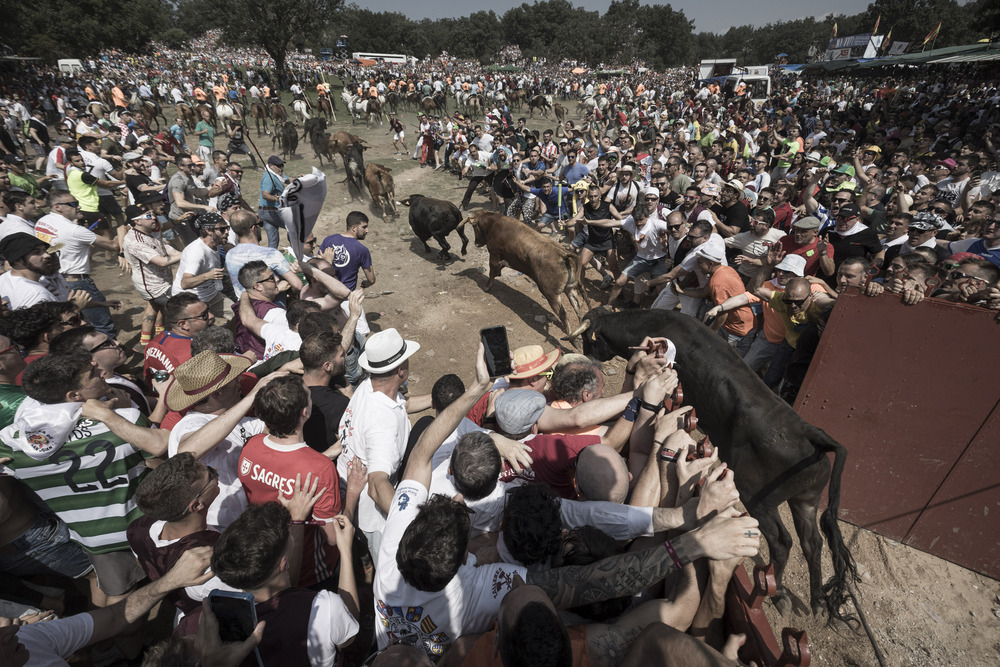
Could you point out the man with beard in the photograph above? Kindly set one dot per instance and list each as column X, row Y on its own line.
column 30, row 265
column 851, row 237
column 323, row 363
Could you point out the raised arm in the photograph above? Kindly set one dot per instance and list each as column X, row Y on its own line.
column 418, row 468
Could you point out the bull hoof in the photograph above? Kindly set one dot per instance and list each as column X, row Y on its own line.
column 820, row 612
column 782, row 603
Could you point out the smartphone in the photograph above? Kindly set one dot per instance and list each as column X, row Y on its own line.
column 497, row 351
column 236, row 614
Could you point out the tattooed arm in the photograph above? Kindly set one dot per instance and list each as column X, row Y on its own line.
column 725, row 536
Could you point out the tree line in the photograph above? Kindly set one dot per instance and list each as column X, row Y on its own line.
column 626, row 33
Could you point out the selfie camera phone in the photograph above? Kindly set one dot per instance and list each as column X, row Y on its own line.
column 497, row 351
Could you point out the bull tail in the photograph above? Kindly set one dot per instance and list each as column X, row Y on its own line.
column 573, row 278
column 844, row 569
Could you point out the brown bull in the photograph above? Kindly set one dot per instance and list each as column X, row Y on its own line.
column 553, row 268
column 381, row 188
column 342, row 142
column 560, row 112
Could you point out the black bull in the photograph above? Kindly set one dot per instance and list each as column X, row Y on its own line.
column 776, row 456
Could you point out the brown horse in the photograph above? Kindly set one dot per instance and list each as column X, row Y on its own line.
column 186, row 115
column 325, row 106
column 151, row 111
column 560, row 112
column 278, row 115
column 259, row 113
column 428, row 105
column 375, row 109
column 516, row 99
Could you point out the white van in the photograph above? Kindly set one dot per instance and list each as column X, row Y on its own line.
column 70, row 66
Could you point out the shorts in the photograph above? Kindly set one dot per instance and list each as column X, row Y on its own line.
column 160, row 301
column 109, row 204
column 638, row 266
column 118, row 572
column 91, row 217
column 600, row 247
column 39, row 149
column 43, row 548
column 399, row 136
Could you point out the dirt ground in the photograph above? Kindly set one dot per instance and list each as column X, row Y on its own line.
column 922, row 610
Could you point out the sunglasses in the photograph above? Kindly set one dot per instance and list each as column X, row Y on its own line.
column 205, row 315
column 74, row 204
column 673, row 227
column 939, row 211
column 109, row 344
column 794, row 302
column 270, row 279
column 74, row 321
column 690, row 197
column 960, row 275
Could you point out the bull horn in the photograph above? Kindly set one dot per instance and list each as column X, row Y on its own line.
column 584, row 323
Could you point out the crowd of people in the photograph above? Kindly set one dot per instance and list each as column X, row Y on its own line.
column 264, row 444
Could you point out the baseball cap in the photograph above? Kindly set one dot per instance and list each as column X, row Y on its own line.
column 10, row 158
column 849, row 210
column 517, row 410
column 19, row 244
column 948, row 162
column 132, row 156
column 925, row 222
column 844, row 169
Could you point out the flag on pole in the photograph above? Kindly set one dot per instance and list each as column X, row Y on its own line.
column 835, row 30
column 932, row 35
column 887, row 41
column 877, row 21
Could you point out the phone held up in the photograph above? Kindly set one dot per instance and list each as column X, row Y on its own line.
column 497, row 351
column 237, row 616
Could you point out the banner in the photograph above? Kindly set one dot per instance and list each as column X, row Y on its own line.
column 898, row 48
column 853, row 47
column 300, row 205
column 850, row 41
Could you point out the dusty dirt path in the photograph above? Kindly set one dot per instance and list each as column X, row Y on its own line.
column 923, row 610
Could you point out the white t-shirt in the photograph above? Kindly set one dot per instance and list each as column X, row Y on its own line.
column 74, row 256
column 648, row 239
column 277, row 336
column 100, row 168
column 197, row 258
column 225, row 458
column 13, row 224
column 753, row 246
column 18, row 292
column 433, row 621
column 375, row 429
column 690, row 261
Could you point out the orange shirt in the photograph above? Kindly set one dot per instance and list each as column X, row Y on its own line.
column 220, row 93
column 200, row 95
column 320, row 90
column 266, row 91
column 724, row 283
column 90, row 93
column 373, row 92
column 118, row 96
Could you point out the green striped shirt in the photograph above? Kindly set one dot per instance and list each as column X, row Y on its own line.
column 89, row 482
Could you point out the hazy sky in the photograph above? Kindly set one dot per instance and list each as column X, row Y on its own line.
column 711, row 15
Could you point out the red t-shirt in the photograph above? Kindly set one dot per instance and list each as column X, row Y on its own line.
column 807, row 251
column 165, row 353
column 27, row 360
column 783, row 217
column 267, row 469
column 554, row 459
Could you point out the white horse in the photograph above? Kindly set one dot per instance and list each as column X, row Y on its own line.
column 301, row 107
column 224, row 112
column 357, row 107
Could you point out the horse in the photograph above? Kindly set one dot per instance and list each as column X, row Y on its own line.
column 560, row 112
column 223, row 112
column 186, row 115
column 517, row 99
column 392, row 101
column 301, row 108
column 429, row 105
column 412, row 100
column 325, row 107
column 97, row 107
column 259, row 113
column 441, row 99
column 474, row 106
column 278, row 116
column 151, row 111
column 543, row 102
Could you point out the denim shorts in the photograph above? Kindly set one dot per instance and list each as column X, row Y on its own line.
column 42, row 549
column 639, row 266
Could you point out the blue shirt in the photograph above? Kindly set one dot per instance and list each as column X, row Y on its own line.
column 273, row 184
column 553, row 202
column 350, row 256
column 575, row 172
column 242, row 253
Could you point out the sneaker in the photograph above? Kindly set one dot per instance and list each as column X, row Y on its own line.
column 606, row 281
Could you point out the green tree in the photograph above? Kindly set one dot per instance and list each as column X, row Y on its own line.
column 273, row 25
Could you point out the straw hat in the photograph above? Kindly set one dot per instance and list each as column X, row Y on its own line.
column 199, row 376
column 531, row 360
